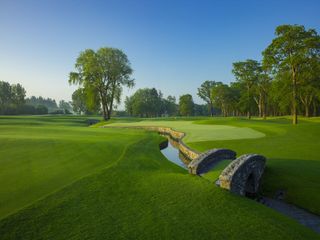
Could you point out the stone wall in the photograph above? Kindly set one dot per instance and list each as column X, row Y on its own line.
column 175, row 135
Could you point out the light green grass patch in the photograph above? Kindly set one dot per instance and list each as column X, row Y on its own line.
column 199, row 132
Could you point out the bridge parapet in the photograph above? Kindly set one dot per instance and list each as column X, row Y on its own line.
column 242, row 176
column 206, row 161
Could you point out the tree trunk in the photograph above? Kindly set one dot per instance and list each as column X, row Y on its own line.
column 294, row 98
column 211, row 109
column 264, row 112
column 314, row 108
column 104, row 112
column 307, row 111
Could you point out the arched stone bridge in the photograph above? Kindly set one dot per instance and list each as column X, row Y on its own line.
column 208, row 160
column 242, row 176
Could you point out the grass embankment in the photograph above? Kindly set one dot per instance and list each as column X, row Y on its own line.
column 115, row 184
column 292, row 151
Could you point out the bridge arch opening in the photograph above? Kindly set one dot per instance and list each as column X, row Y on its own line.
column 250, row 186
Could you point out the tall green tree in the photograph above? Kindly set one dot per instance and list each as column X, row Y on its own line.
column 247, row 72
column 261, row 89
column 205, row 92
column 291, row 49
column 65, row 106
column 146, row 102
column 186, row 105
column 309, row 86
column 170, row 106
column 5, row 94
column 18, row 94
column 103, row 74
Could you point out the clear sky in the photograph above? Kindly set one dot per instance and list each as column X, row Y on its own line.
column 172, row 45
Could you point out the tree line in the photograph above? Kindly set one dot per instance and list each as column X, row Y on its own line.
column 13, row 101
column 286, row 81
column 150, row 102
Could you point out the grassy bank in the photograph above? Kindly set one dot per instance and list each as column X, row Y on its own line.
column 75, row 182
column 292, row 151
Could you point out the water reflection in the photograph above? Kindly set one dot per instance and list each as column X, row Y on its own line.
column 173, row 154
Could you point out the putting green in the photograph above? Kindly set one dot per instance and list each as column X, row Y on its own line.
column 199, row 132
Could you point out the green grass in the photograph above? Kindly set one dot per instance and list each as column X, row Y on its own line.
column 62, row 180
column 293, row 161
column 197, row 132
column 292, row 151
column 214, row 174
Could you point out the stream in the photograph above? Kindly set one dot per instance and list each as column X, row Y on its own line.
column 312, row 221
column 173, row 154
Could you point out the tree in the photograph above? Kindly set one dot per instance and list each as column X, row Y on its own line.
column 205, row 92
column 80, row 105
column 200, row 110
column 5, row 94
column 170, row 106
column 18, row 93
column 48, row 102
column 291, row 49
column 186, row 105
column 145, row 102
column 103, row 74
column 65, row 106
column 41, row 110
column 149, row 102
column 309, row 85
column 261, row 89
column 226, row 98
column 247, row 72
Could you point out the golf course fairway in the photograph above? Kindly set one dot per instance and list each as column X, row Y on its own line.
column 60, row 179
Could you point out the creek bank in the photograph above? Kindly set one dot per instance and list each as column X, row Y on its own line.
column 241, row 176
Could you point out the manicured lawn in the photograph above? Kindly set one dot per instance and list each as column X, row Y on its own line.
column 41, row 155
column 197, row 132
column 292, row 151
column 293, row 156
column 98, row 183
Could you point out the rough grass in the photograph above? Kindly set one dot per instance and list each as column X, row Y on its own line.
column 117, row 185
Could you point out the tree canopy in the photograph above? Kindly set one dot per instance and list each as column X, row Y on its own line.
column 293, row 50
column 186, row 105
column 102, row 74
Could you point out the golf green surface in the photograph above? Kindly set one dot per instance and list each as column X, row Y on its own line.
column 60, row 179
column 198, row 132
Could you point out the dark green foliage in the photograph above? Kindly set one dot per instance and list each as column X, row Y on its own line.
column 148, row 102
column 102, row 74
column 47, row 102
column 12, row 98
column 205, row 92
column 295, row 51
column 186, row 105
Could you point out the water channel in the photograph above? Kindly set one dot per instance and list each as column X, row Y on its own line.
column 173, row 154
column 171, row 151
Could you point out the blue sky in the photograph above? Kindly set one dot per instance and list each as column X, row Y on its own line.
column 172, row 45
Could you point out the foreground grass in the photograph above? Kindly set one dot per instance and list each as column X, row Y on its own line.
column 41, row 155
column 292, row 151
column 122, row 188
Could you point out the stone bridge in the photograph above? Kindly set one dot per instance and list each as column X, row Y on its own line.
column 242, row 176
column 206, row 161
